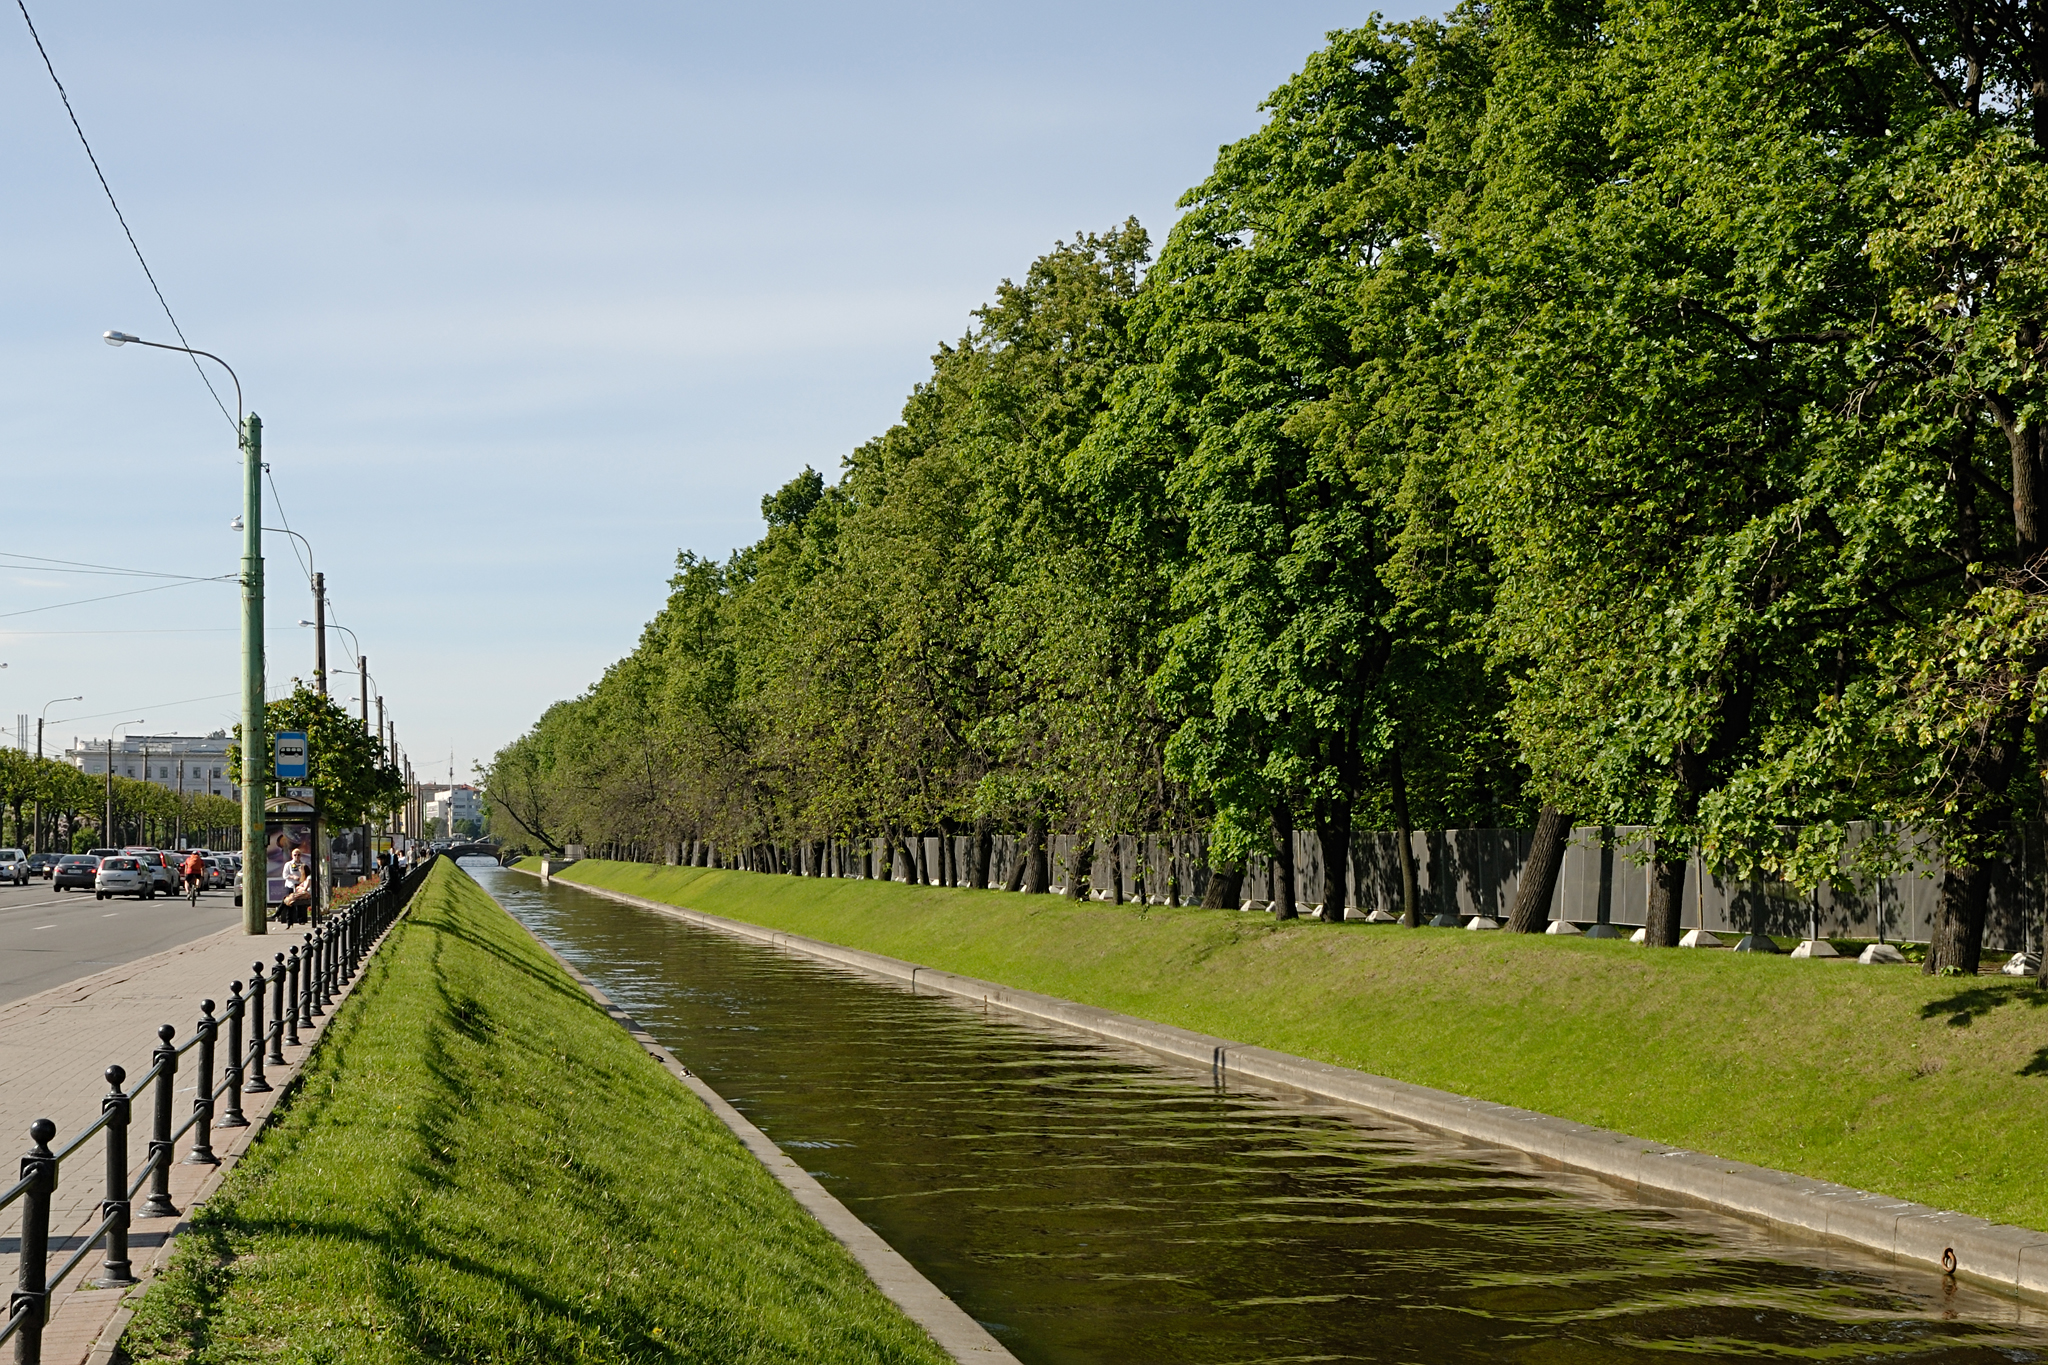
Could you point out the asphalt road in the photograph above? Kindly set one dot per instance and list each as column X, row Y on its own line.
column 50, row 937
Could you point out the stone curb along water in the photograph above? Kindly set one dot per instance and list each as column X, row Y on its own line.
column 2011, row 1259
column 924, row 1303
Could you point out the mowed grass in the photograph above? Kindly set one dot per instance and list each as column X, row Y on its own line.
column 1927, row 1088
column 481, row 1166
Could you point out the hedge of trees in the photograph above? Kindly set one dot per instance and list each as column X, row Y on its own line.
column 73, row 806
column 1627, row 412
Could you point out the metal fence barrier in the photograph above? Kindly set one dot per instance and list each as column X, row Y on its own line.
column 301, row 984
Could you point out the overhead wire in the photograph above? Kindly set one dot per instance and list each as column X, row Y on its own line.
column 122, row 218
column 85, row 601
column 83, row 567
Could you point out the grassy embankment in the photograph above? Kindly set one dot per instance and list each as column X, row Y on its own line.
column 482, row 1166
column 1933, row 1089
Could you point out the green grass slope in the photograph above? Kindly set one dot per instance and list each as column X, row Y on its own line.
column 481, row 1166
column 1925, row 1088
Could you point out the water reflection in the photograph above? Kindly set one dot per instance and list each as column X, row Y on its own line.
column 1091, row 1203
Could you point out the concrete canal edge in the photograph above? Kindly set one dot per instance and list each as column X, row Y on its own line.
column 923, row 1302
column 2010, row 1259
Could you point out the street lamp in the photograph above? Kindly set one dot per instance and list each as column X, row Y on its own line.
column 39, row 760
column 249, row 435
column 107, row 830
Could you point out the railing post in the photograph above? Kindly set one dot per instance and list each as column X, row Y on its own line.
column 316, row 983
column 115, row 1271
column 31, row 1292
column 256, row 1084
column 276, row 1055
column 232, row 1073
column 304, row 1011
column 202, row 1098
column 165, row 1058
column 291, row 997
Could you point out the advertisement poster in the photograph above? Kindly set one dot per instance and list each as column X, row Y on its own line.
column 286, row 840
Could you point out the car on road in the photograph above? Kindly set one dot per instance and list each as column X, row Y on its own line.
column 13, row 866
column 218, row 874
column 123, row 876
column 41, row 864
column 103, row 852
column 163, row 871
column 75, row 872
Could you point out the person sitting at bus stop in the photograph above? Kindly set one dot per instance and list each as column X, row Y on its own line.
column 298, row 889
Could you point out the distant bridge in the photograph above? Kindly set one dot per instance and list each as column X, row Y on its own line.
column 461, row 851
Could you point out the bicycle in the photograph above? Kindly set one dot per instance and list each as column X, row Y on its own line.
column 192, row 886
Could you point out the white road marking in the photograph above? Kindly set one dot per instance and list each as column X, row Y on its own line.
column 44, row 926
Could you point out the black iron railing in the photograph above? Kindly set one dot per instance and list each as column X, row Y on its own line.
column 301, row 985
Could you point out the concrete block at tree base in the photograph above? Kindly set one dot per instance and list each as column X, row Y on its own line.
column 2022, row 964
column 1756, row 943
column 1640, row 936
column 1561, row 926
column 1445, row 922
column 1482, row 922
column 1256, row 905
column 1701, row 938
column 1602, row 931
column 1880, row 952
column 1815, row 947
column 1376, row 917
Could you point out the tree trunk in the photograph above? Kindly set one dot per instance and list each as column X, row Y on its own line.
column 1539, row 877
column 1283, row 862
column 1226, row 888
column 1958, row 932
column 1667, row 899
column 949, row 861
column 1038, row 873
column 1078, row 863
column 984, row 846
column 1015, row 881
column 1335, row 835
column 924, row 875
column 1404, row 838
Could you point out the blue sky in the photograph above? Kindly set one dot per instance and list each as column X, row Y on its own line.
column 529, row 298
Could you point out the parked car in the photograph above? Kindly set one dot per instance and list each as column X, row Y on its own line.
column 42, row 864
column 75, row 872
column 219, row 873
column 103, row 852
column 13, row 866
column 119, row 876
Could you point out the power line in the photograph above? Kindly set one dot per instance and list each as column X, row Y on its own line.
column 80, row 566
column 150, row 275
column 84, row 601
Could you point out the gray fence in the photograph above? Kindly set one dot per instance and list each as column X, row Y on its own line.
column 1466, row 872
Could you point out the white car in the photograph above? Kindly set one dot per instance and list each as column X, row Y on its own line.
column 123, row 876
column 14, row 866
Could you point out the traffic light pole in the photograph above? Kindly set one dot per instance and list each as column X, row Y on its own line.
column 255, row 871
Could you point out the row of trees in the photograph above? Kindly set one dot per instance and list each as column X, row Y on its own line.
column 1620, row 412
column 72, row 806
column 354, row 776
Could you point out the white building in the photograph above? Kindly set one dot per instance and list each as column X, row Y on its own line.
column 450, row 805
column 192, row 764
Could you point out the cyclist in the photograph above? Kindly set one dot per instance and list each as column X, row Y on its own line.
column 194, row 872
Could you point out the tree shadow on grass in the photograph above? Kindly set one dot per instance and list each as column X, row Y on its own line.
column 1965, row 1007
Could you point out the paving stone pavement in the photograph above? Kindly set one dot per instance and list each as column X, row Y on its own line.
column 54, row 1049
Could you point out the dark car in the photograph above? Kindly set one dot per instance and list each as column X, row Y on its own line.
column 42, row 864
column 75, row 872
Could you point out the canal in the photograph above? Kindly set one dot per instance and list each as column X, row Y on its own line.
column 1095, row 1205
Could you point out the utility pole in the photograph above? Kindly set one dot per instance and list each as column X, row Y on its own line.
column 320, row 633
column 255, row 876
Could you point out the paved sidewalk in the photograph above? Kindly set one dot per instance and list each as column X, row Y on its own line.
column 54, row 1049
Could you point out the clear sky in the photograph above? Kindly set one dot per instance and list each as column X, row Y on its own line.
column 529, row 298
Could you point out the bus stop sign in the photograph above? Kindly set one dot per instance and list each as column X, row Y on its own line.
column 291, row 755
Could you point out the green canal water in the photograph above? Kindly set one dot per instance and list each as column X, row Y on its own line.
column 1094, row 1204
